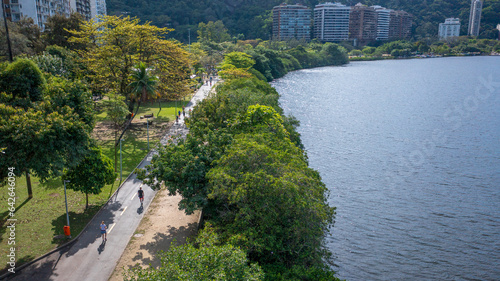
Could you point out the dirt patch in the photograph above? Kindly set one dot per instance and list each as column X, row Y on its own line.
column 163, row 224
column 105, row 130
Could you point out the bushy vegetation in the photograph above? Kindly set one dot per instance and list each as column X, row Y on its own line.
column 458, row 46
column 242, row 163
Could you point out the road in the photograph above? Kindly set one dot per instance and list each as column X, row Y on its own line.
column 89, row 258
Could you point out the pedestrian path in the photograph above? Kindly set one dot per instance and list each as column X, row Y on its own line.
column 90, row 258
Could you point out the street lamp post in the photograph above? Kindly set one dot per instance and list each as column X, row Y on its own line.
column 121, row 160
column 66, row 201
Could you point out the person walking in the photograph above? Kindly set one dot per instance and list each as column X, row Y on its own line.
column 140, row 193
column 103, row 228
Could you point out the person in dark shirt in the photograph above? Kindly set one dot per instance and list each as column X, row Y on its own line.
column 140, row 193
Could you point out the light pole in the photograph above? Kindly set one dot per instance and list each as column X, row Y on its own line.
column 121, row 160
column 66, row 201
column 147, row 125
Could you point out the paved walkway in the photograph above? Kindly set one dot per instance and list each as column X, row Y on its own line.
column 89, row 258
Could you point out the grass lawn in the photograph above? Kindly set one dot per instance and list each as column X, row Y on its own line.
column 166, row 113
column 40, row 220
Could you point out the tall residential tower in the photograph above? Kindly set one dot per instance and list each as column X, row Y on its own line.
column 383, row 22
column 476, row 7
column 291, row 21
column 331, row 22
column 362, row 24
column 41, row 10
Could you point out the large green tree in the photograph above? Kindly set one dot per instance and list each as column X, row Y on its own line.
column 91, row 174
column 213, row 32
column 269, row 201
column 115, row 45
column 45, row 127
column 57, row 30
column 205, row 262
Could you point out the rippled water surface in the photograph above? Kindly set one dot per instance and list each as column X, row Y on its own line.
column 410, row 150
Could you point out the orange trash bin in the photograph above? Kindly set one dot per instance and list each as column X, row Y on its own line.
column 67, row 231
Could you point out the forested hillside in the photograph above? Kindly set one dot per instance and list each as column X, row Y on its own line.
column 252, row 18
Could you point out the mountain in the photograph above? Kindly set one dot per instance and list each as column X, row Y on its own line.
column 252, row 18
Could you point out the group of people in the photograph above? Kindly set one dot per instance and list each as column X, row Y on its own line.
column 104, row 228
column 183, row 114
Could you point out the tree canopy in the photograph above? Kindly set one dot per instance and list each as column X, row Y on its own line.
column 91, row 174
column 45, row 125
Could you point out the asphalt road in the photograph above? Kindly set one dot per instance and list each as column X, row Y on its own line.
column 90, row 258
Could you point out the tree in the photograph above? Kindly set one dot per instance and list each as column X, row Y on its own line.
column 24, row 36
column 91, row 174
column 50, row 64
column 57, row 30
column 238, row 60
column 116, row 110
column 208, row 261
column 115, row 45
column 213, row 32
column 143, row 85
column 270, row 202
column 45, row 127
column 182, row 167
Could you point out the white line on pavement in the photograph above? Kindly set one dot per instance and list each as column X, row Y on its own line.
column 123, row 210
column 111, row 228
column 133, row 196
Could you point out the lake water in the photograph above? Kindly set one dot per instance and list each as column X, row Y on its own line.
column 410, row 151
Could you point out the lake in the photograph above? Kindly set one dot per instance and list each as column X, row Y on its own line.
column 410, row 151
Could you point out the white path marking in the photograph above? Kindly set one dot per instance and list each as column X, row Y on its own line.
column 123, row 210
column 111, row 228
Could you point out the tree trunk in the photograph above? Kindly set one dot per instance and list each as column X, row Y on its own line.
column 159, row 105
column 116, row 159
column 87, row 203
column 28, row 184
column 117, row 142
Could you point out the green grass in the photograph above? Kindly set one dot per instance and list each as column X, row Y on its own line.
column 167, row 112
column 42, row 218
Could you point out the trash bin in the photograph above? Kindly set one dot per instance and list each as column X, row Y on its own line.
column 66, row 230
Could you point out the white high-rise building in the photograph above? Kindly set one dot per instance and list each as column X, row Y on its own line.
column 38, row 10
column 41, row 10
column 476, row 6
column 97, row 8
column 331, row 22
column 450, row 28
column 383, row 21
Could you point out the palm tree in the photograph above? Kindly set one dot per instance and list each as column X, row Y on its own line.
column 142, row 87
column 143, row 84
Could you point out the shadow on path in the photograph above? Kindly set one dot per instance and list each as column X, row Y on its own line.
column 101, row 247
column 162, row 242
column 93, row 231
column 42, row 271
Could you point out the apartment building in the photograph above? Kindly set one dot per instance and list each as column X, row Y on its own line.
column 38, row 10
column 331, row 22
column 400, row 25
column 41, row 10
column 82, row 7
column 450, row 28
column 97, row 9
column 383, row 22
column 362, row 24
column 291, row 21
column 476, row 7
